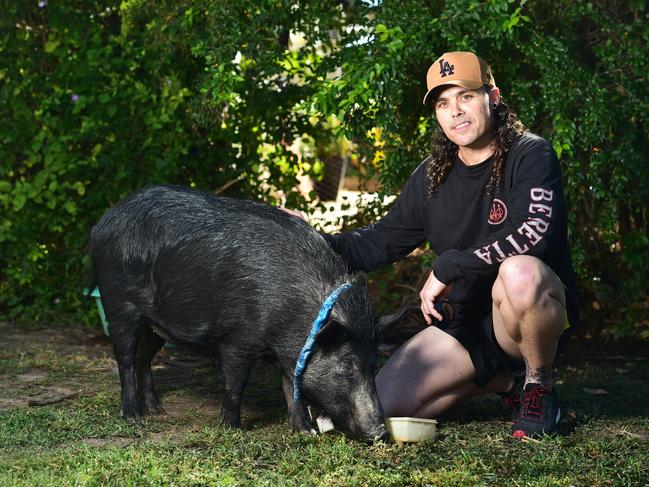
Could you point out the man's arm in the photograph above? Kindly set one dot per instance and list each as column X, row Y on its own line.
column 397, row 234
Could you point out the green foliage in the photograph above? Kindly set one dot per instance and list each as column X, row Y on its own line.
column 84, row 121
column 237, row 96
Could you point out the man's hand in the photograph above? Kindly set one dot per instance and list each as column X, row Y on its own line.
column 293, row 212
column 430, row 294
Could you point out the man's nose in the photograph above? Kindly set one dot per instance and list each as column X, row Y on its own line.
column 456, row 110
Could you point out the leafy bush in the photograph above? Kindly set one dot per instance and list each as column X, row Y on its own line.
column 84, row 120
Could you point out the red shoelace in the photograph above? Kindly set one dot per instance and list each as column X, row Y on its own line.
column 533, row 401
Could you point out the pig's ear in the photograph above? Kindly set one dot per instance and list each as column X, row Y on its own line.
column 361, row 278
column 331, row 333
column 385, row 323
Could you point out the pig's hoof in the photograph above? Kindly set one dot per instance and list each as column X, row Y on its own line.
column 155, row 410
column 133, row 419
column 153, row 407
column 231, row 423
column 304, row 429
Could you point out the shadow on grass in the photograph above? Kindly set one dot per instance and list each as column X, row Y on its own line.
column 263, row 401
column 594, row 380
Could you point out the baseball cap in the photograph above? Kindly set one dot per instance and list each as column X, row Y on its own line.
column 460, row 68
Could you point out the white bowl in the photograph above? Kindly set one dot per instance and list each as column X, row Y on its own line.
column 405, row 429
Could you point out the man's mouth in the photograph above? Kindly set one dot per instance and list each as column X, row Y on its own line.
column 461, row 126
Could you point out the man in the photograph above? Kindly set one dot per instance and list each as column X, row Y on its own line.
column 490, row 202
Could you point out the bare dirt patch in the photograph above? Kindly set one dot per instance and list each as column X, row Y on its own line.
column 50, row 365
column 34, row 376
column 615, row 430
column 102, row 442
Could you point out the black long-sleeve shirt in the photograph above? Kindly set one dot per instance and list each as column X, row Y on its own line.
column 470, row 232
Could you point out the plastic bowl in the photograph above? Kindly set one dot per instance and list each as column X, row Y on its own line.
column 410, row 430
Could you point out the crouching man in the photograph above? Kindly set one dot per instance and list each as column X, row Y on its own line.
column 490, row 201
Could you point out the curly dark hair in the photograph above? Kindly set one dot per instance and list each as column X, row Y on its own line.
column 507, row 128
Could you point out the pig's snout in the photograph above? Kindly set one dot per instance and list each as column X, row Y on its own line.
column 380, row 435
column 370, row 433
column 366, row 421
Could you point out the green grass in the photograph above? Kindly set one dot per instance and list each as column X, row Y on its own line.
column 83, row 441
column 472, row 455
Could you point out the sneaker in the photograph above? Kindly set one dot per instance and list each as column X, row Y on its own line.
column 512, row 398
column 539, row 412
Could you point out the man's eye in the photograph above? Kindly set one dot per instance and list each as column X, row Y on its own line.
column 441, row 104
column 467, row 96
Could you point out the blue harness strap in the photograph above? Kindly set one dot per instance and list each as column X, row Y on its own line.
column 309, row 345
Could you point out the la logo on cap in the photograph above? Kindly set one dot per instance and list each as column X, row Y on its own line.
column 445, row 68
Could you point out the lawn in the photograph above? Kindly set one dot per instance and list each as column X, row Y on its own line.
column 81, row 439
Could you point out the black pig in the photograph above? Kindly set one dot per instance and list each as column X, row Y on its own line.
column 242, row 279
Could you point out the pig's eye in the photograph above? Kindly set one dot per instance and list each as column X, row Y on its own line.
column 345, row 370
column 342, row 369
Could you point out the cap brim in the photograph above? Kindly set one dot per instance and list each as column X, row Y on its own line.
column 432, row 93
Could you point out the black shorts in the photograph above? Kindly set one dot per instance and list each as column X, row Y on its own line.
column 474, row 329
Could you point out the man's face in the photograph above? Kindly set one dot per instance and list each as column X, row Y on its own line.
column 464, row 115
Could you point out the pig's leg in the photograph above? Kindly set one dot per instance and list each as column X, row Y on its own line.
column 123, row 332
column 296, row 414
column 148, row 344
column 236, row 365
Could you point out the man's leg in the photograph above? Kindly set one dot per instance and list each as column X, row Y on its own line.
column 528, row 319
column 529, row 314
column 429, row 374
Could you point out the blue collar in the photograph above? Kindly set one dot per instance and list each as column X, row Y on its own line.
column 309, row 345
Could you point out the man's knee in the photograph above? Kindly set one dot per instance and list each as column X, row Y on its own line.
column 431, row 364
column 526, row 282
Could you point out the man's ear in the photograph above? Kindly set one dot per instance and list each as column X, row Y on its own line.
column 331, row 333
column 494, row 96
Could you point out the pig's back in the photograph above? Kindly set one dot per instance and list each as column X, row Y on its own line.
column 165, row 220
